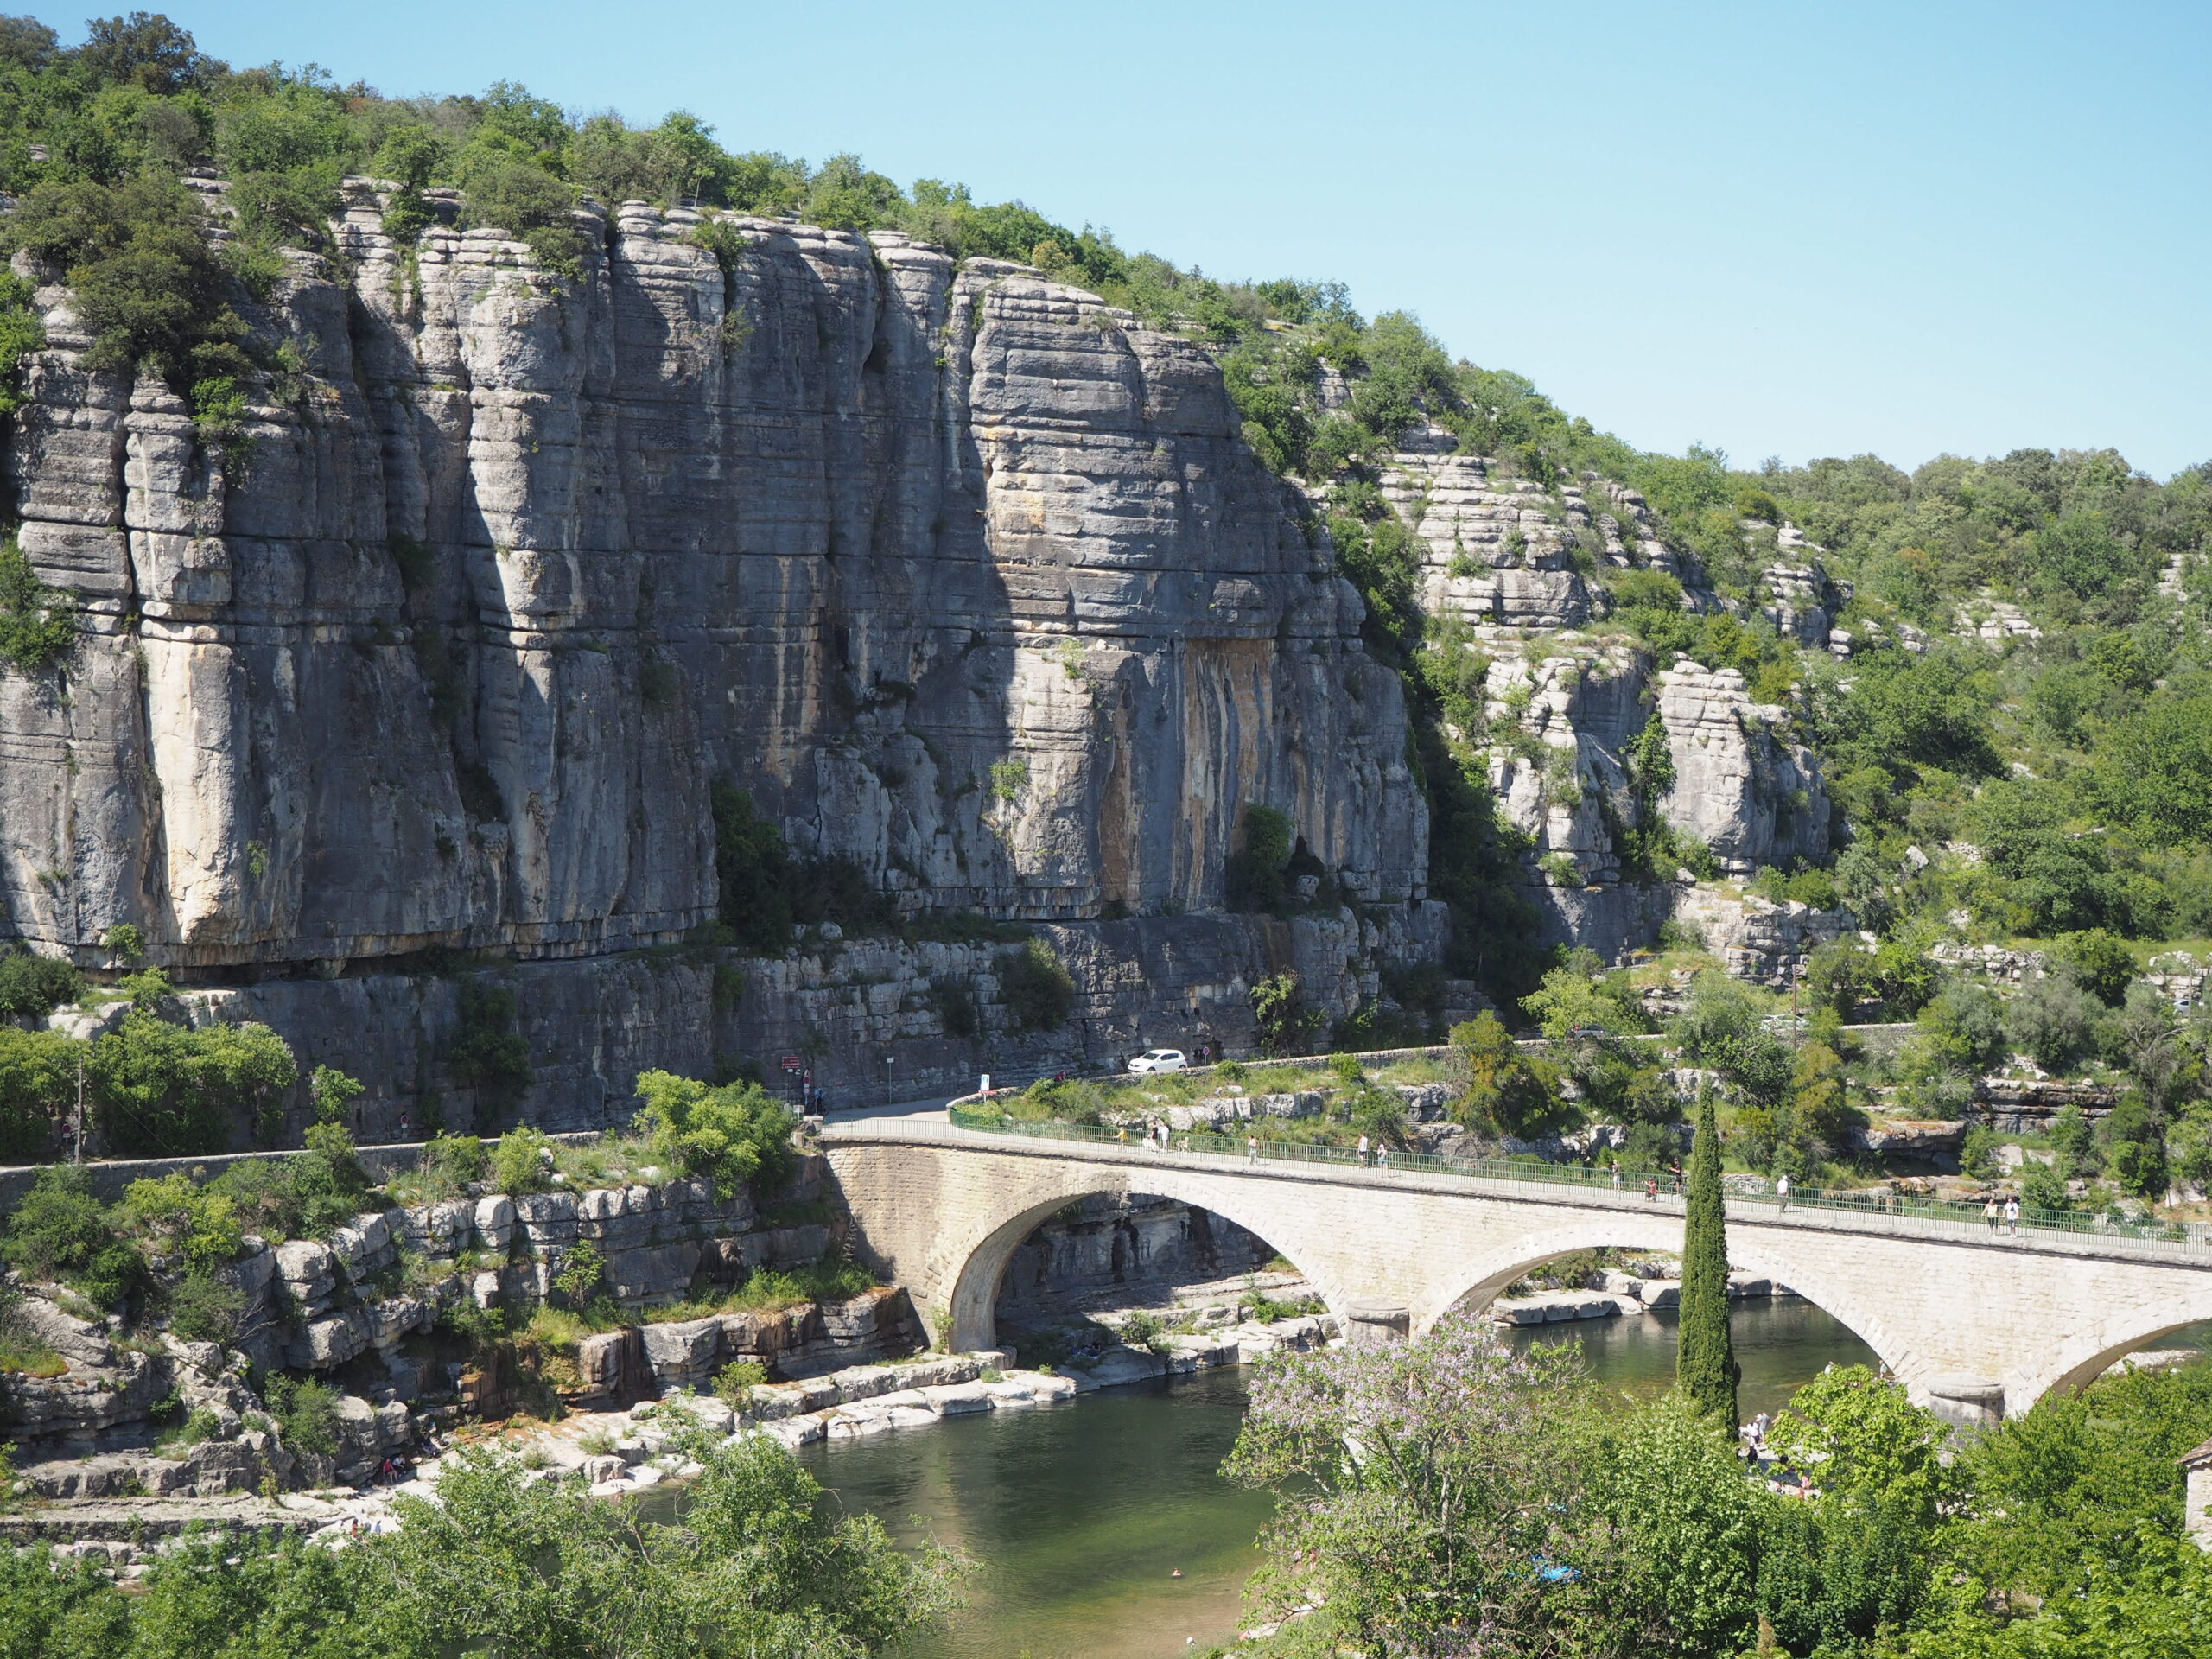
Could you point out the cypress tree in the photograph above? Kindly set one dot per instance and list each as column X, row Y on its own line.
column 1705, row 1359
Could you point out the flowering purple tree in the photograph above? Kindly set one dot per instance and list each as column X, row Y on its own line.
column 1427, row 1492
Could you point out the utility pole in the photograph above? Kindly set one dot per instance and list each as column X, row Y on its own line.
column 79, row 1137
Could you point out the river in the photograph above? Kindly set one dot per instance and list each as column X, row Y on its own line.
column 1079, row 1513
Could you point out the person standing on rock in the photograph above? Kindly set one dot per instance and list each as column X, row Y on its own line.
column 2013, row 1215
column 1781, row 1190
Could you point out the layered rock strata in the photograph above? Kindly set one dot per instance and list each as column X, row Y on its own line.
column 960, row 573
column 349, row 1308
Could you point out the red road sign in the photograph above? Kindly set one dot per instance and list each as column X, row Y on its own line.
column 792, row 1063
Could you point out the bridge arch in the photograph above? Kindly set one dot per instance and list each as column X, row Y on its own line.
column 1954, row 1313
column 1756, row 1251
column 974, row 1268
column 2083, row 1355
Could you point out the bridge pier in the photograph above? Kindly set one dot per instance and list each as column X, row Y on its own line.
column 1976, row 1323
column 1376, row 1324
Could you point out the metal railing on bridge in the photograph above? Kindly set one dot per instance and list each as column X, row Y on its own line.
column 1965, row 1220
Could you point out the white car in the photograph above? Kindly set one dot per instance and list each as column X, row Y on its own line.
column 1160, row 1059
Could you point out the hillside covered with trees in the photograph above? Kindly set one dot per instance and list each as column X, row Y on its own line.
column 2016, row 743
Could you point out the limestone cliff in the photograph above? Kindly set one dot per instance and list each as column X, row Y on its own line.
column 960, row 572
column 1515, row 565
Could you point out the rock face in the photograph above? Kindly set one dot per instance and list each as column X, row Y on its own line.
column 1759, row 939
column 1500, row 552
column 1101, row 1245
column 347, row 1307
column 961, row 574
column 1511, row 566
column 1560, row 717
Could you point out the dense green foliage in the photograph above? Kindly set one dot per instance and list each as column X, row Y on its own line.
column 485, row 1051
column 1704, row 1365
column 1036, row 987
column 61, row 1231
column 734, row 1134
column 38, row 624
column 767, row 892
column 163, row 1089
column 38, row 1084
column 1453, row 1485
column 505, row 1565
column 1506, row 1089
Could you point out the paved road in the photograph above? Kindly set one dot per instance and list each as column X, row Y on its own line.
column 930, row 1108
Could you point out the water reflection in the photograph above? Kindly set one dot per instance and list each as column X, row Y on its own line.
column 1078, row 1514
column 1779, row 1345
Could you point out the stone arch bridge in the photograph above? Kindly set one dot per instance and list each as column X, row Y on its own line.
column 1973, row 1323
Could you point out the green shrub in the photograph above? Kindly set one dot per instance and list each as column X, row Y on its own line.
column 454, row 1161
column 484, row 1052
column 1286, row 1024
column 523, row 198
column 21, row 333
column 734, row 1382
column 331, row 1091
column 306, row 1412
column 143, row 277
column 1259, row 870
column 1036, row 987
column 754, row 870
column 161, row 1090
column 1144, row 1329
column 1505, row 1089
column 521, row 1163
column 202, row 1308
column 147, row 989
column 304, row 1196
column 38, row 624
column 38, row 1087
column 182, row 1217
column 2099, row 960
column 955, row 1002
column 583, row 1270
column 124, row 942
column 733, row 1134
column 2043, row 1187
column 61, row 1231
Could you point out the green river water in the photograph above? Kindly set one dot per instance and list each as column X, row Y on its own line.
column 1079, row 1513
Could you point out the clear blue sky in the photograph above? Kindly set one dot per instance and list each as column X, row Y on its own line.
column 1783, row 229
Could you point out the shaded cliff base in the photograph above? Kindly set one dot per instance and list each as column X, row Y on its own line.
column 872, row 1019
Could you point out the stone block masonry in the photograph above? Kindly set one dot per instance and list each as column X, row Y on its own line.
column 1954, row 1312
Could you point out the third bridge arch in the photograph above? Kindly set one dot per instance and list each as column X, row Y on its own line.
column 941, row 1210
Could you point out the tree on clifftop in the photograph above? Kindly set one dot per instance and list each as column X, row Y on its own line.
column 1705, row 1360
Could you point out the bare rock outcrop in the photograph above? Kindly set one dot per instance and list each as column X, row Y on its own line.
column 961, row 572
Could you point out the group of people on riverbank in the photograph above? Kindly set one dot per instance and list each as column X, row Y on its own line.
column 1761, row 1463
